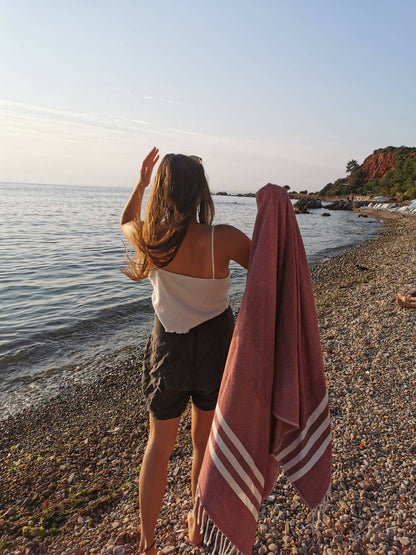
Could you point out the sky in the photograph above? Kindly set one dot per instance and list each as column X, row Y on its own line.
column 281, row 91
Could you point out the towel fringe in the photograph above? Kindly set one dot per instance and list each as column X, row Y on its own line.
column 222, row 545
column 205, row 539
column 203, row 520
column 319, row 512
column 198, row 518
column 211, row 533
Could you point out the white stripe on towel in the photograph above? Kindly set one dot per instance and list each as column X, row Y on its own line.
column 231, row 482
column 234, row 463
column 312, row 461
column 314, row 437
column 313, row 417
column 239, row 446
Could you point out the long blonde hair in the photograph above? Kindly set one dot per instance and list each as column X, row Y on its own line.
column 180, row 195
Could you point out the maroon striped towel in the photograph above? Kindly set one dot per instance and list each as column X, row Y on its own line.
column 272, row 408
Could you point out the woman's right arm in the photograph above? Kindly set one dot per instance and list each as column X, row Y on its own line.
column 130, row 216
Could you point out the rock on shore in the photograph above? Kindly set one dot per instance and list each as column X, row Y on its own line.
column 68, row 470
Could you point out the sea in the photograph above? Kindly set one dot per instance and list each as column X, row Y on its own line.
column 67, row 311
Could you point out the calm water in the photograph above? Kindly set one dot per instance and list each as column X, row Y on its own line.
column 66, row 309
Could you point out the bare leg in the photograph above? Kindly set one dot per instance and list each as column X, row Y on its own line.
column 201, row 427
column 153, row 476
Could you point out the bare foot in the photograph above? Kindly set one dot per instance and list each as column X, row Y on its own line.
column 195, row 536
column 151, row 550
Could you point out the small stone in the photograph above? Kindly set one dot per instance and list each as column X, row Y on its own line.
column 32, row 545
column 330, row 533
column 404, row 541
column 119, row 550
column 273, row 547
column 168, row 549
column 9, row 512
column 81, row 520
column 263, row 528
column 122, row 538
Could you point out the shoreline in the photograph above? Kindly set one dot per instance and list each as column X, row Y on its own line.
column 69, row 467
column 87, row 349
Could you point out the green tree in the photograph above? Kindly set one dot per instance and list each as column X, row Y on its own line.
column 352, row 166
column 356, row 180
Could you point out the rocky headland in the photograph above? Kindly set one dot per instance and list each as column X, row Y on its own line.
column 389, row 171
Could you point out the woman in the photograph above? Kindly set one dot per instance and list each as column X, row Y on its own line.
column 187, row 261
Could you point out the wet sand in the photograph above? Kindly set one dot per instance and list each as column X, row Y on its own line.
column 68, row 469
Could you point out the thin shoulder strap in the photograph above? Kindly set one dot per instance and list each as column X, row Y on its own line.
column 212, row 251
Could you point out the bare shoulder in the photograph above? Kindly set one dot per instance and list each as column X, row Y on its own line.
column 226, row 231
column 233, row 244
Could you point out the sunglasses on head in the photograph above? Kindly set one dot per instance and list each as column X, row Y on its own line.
column 196, row 158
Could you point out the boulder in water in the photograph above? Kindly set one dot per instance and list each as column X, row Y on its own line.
column 340, row 205
column 307, row 203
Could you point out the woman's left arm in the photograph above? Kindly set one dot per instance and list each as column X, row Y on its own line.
column 233, row 244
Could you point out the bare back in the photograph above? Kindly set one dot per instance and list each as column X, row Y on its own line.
column 194, row 255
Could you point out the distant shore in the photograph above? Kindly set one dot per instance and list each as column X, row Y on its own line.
column 294, row 195
column 68, row 469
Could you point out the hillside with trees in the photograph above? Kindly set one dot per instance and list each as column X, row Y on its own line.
column 390, row 172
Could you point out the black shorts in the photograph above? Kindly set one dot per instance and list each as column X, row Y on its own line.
column 178, row 366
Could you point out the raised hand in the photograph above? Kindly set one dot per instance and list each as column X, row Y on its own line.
column 131, row 212
column 147, row 168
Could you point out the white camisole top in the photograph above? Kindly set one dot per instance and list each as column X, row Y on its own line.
column 182, row 302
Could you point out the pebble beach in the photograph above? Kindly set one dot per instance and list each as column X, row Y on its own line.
column 69, row 468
